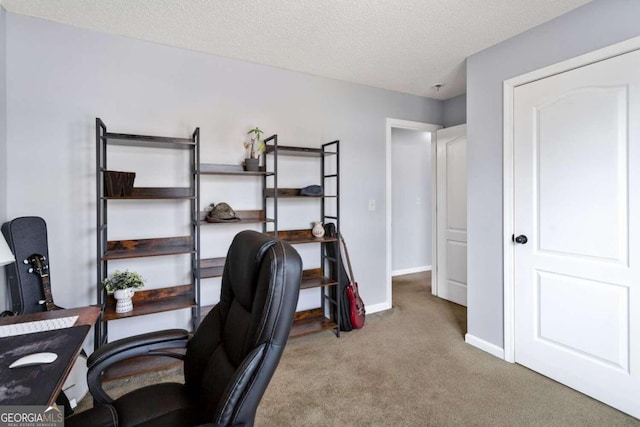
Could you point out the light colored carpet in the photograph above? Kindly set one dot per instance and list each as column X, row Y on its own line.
column 410, row 366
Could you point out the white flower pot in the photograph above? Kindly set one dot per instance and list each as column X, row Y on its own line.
column 318, row 229
column 123, row 300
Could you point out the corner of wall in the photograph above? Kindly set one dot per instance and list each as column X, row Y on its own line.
column 454, row 111
column 3, row 140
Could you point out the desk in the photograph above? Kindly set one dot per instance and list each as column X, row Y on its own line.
column 49, row 384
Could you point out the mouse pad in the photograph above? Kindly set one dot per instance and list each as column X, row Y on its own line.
column 34, row 385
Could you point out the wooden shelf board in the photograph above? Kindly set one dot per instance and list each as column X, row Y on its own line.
column 149, row 193
column 215, row 270
column 211, row 267
column 246, row 217
column 286, row 193
column 314, row 278
column 141, row 309
column 148, row 141
column 310, row 325
column 317, row 282
column 300, row 197
column 300, row 236
column 216, row 169
column 152, row 301
column 242, row 221
column 140, row 365
column 123, row 249
column 298, row 151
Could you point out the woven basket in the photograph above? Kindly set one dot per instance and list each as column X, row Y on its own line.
column 118, row 184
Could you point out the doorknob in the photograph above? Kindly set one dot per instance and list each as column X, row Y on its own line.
column 522, row 239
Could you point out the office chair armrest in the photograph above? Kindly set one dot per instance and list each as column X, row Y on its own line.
column 150, row 344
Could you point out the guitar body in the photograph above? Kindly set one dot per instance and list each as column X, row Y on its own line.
column 356, row 306
column 352, row 312
column 27, row 236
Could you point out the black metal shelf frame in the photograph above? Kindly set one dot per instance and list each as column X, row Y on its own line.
column 328, row 152
column 273, row 139
column 326, row 292
column 103, row 140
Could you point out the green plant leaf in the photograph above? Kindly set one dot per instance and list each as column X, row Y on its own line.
column 123, row 280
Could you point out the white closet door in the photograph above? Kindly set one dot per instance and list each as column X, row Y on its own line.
column 577, row 204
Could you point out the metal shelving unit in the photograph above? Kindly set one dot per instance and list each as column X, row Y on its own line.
column 315, row 320
column 182, row 296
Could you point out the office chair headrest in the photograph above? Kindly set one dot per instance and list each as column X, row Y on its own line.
column 243, row 263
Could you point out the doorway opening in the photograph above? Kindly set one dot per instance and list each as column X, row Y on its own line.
column 410, row 198
column 410, row 201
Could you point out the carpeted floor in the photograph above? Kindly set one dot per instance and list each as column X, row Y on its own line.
column 409, row 366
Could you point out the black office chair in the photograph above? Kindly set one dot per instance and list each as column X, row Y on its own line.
column 229, row 360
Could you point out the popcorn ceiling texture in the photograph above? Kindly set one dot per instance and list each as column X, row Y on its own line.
column 401, row 45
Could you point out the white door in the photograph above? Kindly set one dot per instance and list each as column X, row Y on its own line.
column 451, row 212
column 577, row 201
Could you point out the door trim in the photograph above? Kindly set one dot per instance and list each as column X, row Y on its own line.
column 420, row 126
column 509, row 172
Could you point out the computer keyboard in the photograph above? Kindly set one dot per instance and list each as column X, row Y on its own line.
column 37, row 326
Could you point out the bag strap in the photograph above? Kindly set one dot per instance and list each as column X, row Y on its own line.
column 346, row 253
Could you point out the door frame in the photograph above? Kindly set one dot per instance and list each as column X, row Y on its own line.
column 508, row 178
column 419, row 126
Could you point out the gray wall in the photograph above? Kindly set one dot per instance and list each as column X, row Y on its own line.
column 454, row 111
column 595, row 25
column 411, row 199
column 60, row 78
column 3, row 142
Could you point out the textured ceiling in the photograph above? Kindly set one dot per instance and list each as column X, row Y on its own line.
column 401, row 45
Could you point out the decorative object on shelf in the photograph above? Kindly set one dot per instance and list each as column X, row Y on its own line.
column 252, row 165
column 118, row 184
column 318, row 229
column 124, row 304
column 254, row 148
column 311, row 190
column 221, row 212
column 122, row 285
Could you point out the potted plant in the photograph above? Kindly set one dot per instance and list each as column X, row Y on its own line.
column 254, row 148
column 122, row 285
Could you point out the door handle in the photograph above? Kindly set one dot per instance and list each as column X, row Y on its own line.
column 522, row 239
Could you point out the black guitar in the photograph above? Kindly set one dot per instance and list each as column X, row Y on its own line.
column 41, row 268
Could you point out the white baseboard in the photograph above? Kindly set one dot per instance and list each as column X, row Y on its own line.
column 410, row 270
column 483, row 345
column 374, row 308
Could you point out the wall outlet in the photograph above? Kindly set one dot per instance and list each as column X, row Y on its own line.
column 372, row 205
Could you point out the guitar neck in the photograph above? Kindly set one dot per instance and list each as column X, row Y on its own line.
column 346, row 253
column 48, row 296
